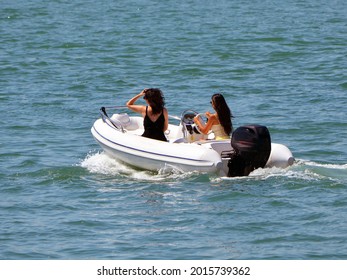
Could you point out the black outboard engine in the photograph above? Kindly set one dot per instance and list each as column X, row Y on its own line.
column 252, row 148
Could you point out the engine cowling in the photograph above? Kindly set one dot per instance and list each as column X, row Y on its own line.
column 252, row 148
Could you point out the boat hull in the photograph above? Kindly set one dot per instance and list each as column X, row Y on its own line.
column 152, row 154
column 177, row 154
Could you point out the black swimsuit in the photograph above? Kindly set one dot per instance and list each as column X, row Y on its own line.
column 154, row 130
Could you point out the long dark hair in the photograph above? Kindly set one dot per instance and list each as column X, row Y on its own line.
column 156, row 99
column 223, row 111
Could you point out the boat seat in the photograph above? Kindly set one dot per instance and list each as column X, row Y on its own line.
column 126, row 122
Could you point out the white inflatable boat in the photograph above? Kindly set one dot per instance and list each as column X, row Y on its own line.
column 186, row 149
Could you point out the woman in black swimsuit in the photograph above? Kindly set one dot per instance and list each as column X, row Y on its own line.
column 155, row 115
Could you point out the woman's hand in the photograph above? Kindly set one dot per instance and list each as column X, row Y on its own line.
column 131, row 102
column 143, row 92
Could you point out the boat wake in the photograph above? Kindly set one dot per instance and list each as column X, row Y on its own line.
column 323, row 171
column 328, row 165
column 302, row 170
column 100, row 163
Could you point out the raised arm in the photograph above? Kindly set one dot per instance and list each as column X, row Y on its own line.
column 136, row 108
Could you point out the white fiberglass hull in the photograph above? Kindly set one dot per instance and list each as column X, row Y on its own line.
column 151, row 154
column 144, row 153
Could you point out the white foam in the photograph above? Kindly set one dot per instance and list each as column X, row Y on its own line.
column 327, row 165
column 101, row 163
column 294, row 171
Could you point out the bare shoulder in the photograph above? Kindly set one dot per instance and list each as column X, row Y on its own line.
column 213, row 119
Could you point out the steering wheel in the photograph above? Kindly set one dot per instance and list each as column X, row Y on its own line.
column 188, row 116
column 203, row 118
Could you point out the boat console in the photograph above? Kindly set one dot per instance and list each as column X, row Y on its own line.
column 189, row 128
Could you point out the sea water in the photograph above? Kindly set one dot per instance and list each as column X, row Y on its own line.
column 278, row 63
